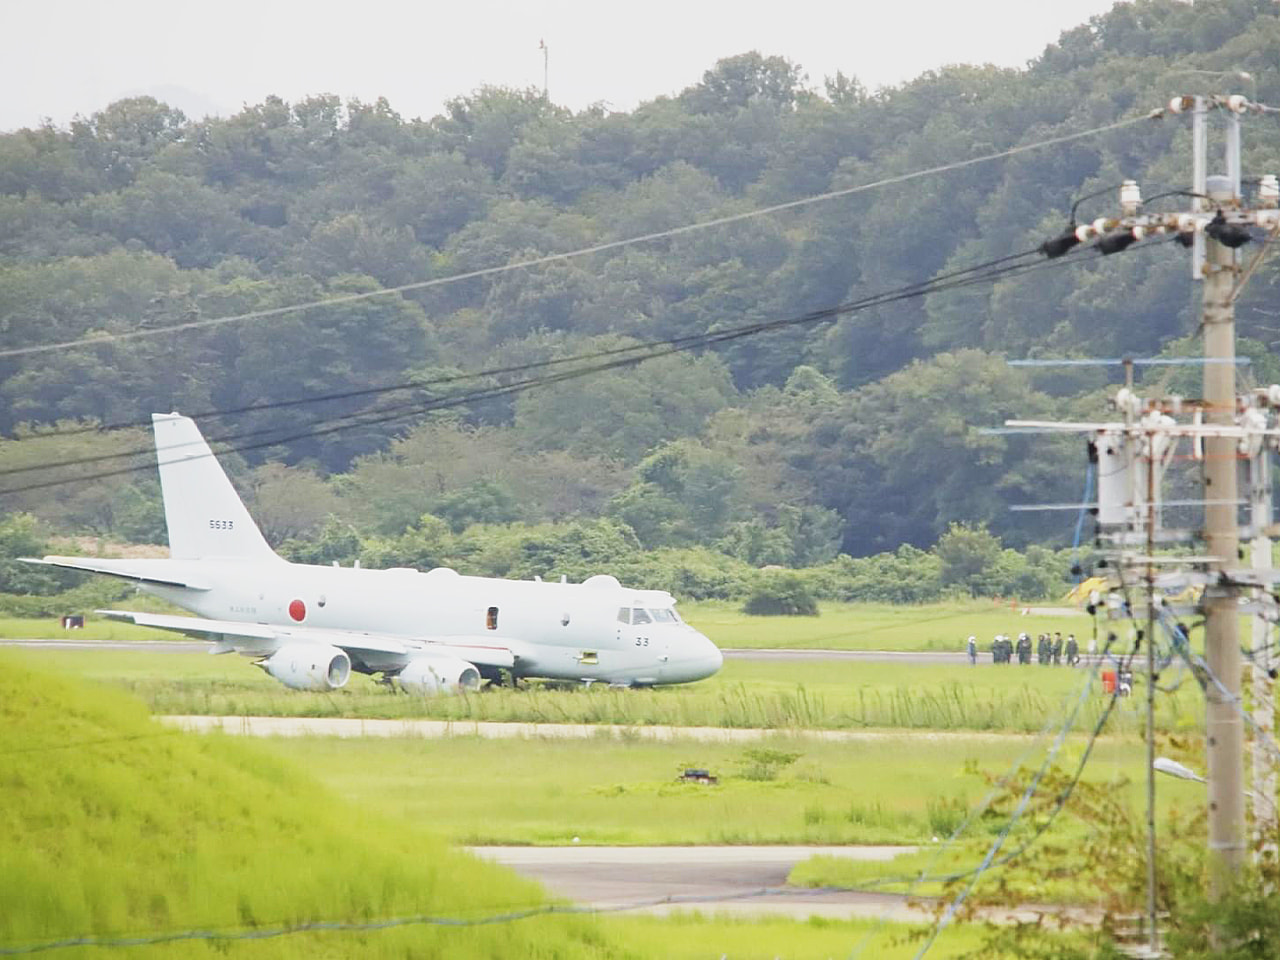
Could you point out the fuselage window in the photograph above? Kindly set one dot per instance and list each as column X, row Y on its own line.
column 624, row 615
column 491, row 618
column 663, row 616
column 640, row 616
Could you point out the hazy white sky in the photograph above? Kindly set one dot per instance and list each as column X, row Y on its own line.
column 64, row 57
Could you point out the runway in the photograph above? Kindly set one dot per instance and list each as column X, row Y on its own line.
column 737, row 880
column 863, row 656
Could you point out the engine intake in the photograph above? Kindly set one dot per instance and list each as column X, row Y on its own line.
column 309, row 666
column 428, row 675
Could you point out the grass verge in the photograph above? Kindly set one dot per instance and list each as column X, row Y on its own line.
column 695, row 936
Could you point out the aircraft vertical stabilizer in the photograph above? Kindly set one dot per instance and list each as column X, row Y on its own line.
column 205, row 516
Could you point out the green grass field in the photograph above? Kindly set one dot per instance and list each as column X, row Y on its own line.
column 897, row 789
column 95, row 628
column 878, row 626
column 783, row 695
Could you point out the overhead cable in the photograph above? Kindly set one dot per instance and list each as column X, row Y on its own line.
column 404, row 410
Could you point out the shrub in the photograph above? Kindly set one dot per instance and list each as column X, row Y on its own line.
column 765, row 763
column 781, row 593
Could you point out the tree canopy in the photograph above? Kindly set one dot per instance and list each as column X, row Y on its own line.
column 857, row 434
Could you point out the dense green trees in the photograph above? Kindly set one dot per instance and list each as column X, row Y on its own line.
column 857, row 435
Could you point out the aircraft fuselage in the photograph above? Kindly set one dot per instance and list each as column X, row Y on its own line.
column 555, row 630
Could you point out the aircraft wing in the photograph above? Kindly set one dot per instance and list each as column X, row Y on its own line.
column 375, row 651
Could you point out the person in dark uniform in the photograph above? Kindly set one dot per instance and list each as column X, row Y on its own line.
column 1042, row 649
column 1024, row 649
column 1057, row 649
column 1073, row 650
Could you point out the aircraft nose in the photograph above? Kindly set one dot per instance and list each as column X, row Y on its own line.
column 709, row 659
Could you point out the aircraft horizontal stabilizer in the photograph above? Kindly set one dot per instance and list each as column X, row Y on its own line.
column 142, row 571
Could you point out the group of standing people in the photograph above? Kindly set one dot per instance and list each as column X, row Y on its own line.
column 1049, row 649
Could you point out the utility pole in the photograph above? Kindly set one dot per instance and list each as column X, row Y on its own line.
column 1224, row 727
column 1216, row 226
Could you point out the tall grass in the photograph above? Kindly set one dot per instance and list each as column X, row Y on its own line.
column 834, row 695
column 949, row 706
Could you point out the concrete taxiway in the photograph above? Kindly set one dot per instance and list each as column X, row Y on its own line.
column 737, row 879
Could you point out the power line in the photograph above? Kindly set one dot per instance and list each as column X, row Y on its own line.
column 408, row 409
column 654, row 349
column 981, row 807
column 573, row 254
column 322, row 926
column 989, row 859
column 688, row 341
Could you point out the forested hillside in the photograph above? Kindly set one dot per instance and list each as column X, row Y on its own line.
column 854, row 434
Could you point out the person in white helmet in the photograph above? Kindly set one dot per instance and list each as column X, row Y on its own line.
column 973, row 651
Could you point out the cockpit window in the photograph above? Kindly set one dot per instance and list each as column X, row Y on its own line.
column 624, row 615
column 664, row 616
column 640, row 616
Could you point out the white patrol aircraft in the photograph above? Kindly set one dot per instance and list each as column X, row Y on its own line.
column 310, row 626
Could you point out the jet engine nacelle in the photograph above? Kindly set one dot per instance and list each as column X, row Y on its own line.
column 309, row 666
column 438, row 675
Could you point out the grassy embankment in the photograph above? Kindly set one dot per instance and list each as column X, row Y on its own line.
column 784, row 695
column 114, row 828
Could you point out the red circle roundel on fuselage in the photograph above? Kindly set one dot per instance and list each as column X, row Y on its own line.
column 297, row 610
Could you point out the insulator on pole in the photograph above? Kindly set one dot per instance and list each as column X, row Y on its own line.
column 1060, row 244
column 1231, row 235
column 1117, row 241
